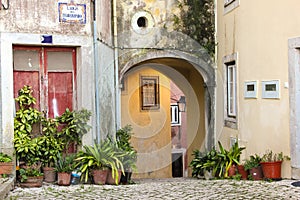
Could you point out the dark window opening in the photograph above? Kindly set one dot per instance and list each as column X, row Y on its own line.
column 142, row 22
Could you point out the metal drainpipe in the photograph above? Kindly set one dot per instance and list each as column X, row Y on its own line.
column 96, row 63
column 117, row 92
column 216, row 72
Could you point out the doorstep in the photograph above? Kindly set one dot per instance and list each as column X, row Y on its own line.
column 6, row 185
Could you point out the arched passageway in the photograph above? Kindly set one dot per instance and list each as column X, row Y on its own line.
column 151, row 126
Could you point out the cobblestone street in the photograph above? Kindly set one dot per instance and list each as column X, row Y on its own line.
column 178, row 188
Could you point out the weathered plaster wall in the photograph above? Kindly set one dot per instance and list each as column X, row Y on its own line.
column 104, row 14
column 159, row 31
column 259, row 34
column 41, row 16
column 107, row 91
column 152, row 129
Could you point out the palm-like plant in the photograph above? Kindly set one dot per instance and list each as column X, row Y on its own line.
column 65, row 163
column 99, row 156
column 230, row 157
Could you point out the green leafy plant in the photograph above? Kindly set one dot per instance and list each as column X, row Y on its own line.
column 27, row 148
column 237, row 177
column 100, row 156
column 29, row 172
column 52, row 145
column 230, row 157
column 36, row 138
column 196, row 20
column 74, row 125
column 218, row 162
column 65, row 163
column 123, row 137
column 270, row 156
column 252, row 162
column 5, row 158
column 204, row 161
column 25, row 97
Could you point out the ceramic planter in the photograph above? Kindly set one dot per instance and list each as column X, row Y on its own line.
column 64, row 178
column 49, row 174
column 100, row 176
column 110, row 180
column 271, row 170
column 243, row 172
column 256, row 173
column 231, row 171
column 6, row 168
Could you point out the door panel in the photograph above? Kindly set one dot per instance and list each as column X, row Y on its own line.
column 60, row 93
column 30, row 78
column 51, row 72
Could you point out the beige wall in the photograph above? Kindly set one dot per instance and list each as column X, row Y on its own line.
column 41, row 16
column 258, row 31
column 152, row 129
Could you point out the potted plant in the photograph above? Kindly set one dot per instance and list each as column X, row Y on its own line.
column 204, row 164
column 73, row 125
column 231, row 158
column 51, row 146
column 97, row 159
column 253, row 165
column 31, row 176
column 64, row 165
column 242, row 171
column 26, row 126
column 271, row 164
column 6, row 165
column 123, row 137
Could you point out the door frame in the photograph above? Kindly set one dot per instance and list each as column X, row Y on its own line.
column 43, row 78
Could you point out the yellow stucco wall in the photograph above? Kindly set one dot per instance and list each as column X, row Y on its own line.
column 152, row 129
column 258, row 31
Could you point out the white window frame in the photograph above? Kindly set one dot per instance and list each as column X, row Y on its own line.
column 231, row 90
column 270, row 94
column 230, row 111
column 229, row 5
column 175, row 115
column 250, row 94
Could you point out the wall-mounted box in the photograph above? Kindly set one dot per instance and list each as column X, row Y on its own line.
column 270, row 89
column 250, row 89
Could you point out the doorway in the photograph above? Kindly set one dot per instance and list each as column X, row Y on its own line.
column 50, row 72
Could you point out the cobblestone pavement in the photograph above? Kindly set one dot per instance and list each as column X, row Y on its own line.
column 177, row 188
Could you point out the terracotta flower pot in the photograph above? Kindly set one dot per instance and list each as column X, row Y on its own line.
column 231, row 170
column 49, row 174
column 6, row 167
column 100, row 176
column 33, row 181
column 110, row 180
column 271, row 170
column 256, row 173
column 63, row 178
column 243, row 172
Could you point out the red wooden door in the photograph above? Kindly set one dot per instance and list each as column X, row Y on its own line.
column 60, row 94
column 50, row 72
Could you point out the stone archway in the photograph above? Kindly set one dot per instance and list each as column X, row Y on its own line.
column 196, row 78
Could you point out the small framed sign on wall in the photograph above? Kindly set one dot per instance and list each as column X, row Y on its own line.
column 270, row 89
column 250, row 89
